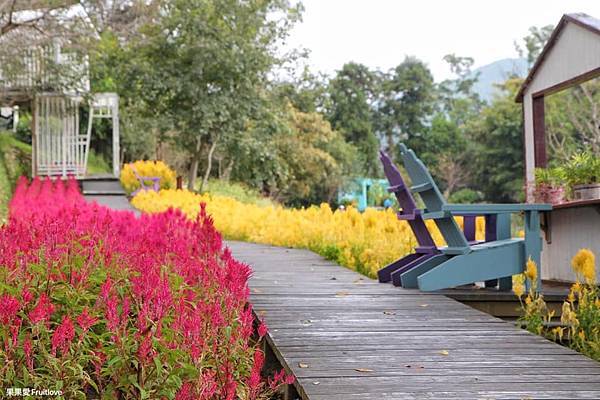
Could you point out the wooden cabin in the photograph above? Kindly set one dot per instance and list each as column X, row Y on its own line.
column 571, row 57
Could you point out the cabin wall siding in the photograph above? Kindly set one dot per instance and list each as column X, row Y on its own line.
column 571, row 229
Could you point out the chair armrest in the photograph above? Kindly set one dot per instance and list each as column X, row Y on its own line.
column 494, row 208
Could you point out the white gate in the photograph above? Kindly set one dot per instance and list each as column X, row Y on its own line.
column 58, row 147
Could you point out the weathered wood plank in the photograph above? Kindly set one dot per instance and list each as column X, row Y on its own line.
column 346, row 337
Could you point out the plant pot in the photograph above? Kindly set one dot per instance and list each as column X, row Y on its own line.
column 540, row 193
column 555, row 195
column 586, row 192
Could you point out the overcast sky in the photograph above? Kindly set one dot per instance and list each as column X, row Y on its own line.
column 379, row 33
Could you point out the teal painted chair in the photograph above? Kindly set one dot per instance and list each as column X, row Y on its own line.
column 465, row 262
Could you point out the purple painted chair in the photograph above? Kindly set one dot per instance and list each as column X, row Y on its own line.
column 143, row 179
column 426, row 251
column 409, row 212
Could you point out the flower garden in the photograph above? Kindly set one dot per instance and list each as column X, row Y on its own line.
column 101, row 304
column 579, row 328
column 361, row 241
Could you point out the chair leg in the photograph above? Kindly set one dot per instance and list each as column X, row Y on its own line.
column 385, row 273
column 533, row 243
column 398, row 273
column 505, row 284
column 408, row 278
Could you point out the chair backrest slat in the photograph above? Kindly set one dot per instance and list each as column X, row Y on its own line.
column 406, row 203
column 433, row 199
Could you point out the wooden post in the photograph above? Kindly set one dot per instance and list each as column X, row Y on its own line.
column 539, row 132
column 34, row 140
column 179, row 182
column 115, row 127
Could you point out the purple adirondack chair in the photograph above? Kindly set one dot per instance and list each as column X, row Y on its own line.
column 426, row 248
column 143, row 179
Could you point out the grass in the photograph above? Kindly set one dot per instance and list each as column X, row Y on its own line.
column 97, row 164
column 15, row 160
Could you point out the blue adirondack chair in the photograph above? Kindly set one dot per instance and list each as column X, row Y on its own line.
column 461, row 262
column 426, row 251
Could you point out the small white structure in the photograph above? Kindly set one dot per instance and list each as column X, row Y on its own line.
column 106, row 106
column 571, row 57
column 58, row 147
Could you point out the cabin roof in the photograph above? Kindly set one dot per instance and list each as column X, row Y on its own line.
column 581, row 19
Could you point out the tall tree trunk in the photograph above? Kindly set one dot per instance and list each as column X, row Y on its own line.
column 194, row 166
column 213, row 146
column 227, row 171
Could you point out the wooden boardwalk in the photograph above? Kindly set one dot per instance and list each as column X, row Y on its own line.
column 345, row 336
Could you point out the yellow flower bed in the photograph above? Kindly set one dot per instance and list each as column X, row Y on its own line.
column 364, row 242
column 147, row 169
column 580, row 315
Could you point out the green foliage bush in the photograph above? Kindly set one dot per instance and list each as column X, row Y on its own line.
column 466, row 196
column 238, row 191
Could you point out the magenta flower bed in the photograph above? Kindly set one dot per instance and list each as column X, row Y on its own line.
column 100, row 304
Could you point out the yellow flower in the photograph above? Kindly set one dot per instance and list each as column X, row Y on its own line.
column 581, row 335
column 558, row 332
column 584, row 264
column 150, row 169
column 518, row 285
column 363, row 241
column 531, row 270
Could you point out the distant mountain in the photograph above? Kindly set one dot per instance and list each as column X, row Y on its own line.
column 498, row 72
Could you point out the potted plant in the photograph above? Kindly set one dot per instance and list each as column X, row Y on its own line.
column 549, row 185
column 582, row 172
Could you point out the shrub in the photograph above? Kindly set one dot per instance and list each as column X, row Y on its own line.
column 159, row 169
column 364, row 242
column 101, row 304
column 237, row 191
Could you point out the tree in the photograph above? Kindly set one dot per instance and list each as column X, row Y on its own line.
column 204, row 65
column 405, row 103
column 449, row 146
column 533, row 43
column 292, row 156
column 352, row 93
column 497, row 158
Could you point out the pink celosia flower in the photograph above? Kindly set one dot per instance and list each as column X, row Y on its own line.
column 63, row 336
column 145, row 351
column 28, row 350
column 262, row 329
column 9, row 307
column 27, row 296
column 185, row 392
column 85, row 321
column 42, row 311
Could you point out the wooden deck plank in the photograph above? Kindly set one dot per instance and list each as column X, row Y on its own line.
column 345, row 336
